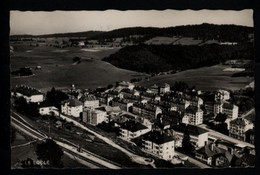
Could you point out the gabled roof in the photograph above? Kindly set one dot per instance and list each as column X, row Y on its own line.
column 88, row 98
column 228, row 106
column 27, row 91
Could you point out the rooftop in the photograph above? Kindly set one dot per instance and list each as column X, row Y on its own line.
column 158, row 137
column 191, row 129
column 133, row 126
column 72, row 102
column 238, row 121
column 228, row 106
column 27, row 91
column 88, row 98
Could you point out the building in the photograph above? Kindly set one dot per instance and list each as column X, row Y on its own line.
column 30, row 94
column 154, row 89
column 222, row 95
column 72, row 107
column 159, row 144
column 132, row 129
column 193, row 115
column 47, row 110
column 147, row 110
column 124, row 104
column 231, row 110
column 226, row 108
column 250, row 136
column 90, row 101
column 165, row 88
column 239, row 127
column 93, row 116
column 198, row 136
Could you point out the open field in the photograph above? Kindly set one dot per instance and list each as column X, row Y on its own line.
column 58, row 71
column 205, row 78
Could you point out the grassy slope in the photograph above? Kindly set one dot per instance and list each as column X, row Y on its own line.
column 205, row 78
column 57, row 69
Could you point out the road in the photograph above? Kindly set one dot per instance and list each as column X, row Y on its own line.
column 194, row 161
column 84, row 156
column 224, row 137
column 136, row 158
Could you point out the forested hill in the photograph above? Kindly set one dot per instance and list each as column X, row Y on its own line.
column 162, row 58
column 87, row 34
column 231, row 33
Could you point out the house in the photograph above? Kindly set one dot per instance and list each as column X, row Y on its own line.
column 119, row 120
column 159, row 144
column 222, row 95
column 193, row 115
column 47, row 110
column 90, row 101
column 146, row 110
column 215, row 156
column 132, row 129
column 30, row 94
column 226, row 108
column 198, row 136
column 93, row 116
column 72, row 107
column 231, row 110
column 239, row 127
column 124, row 104
column 165, row 88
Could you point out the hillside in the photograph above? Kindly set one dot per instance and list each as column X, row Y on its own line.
column 162, row 58
column 222, row 33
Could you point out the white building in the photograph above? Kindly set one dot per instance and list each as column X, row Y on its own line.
column 193, row 115
column 30, row 94
column 226, row 108
column 222, row 95
column 47, row 110
column 72, row 107
column 93, row 117
column 198, row 136
column 132, row 129
column 159, row 144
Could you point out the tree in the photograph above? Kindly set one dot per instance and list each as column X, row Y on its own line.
column 187, row 146
column 50, row 151
column 55, row 97
column 221, row 118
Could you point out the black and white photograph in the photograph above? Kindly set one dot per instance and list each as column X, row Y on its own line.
column 134, row 89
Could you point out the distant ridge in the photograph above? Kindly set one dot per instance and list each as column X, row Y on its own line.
column 203, row 31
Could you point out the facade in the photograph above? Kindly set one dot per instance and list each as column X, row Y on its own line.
column 193, row 116
column 146, row 110
column 30, row 94
column 231, row 110
column 72, row 107
column 47, row 110
column 93, row 117
column 131, row 129
column 159, row 144
column 239, row 127
column 198, row 136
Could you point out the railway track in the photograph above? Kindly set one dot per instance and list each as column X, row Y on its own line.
column 29, row 130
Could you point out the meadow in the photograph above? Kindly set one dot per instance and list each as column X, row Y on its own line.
column 59, row 71
column 205, row 78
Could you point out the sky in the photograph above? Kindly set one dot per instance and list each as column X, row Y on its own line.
column 37, row 23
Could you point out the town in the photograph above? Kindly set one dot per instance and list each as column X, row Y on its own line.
column 178, row 124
